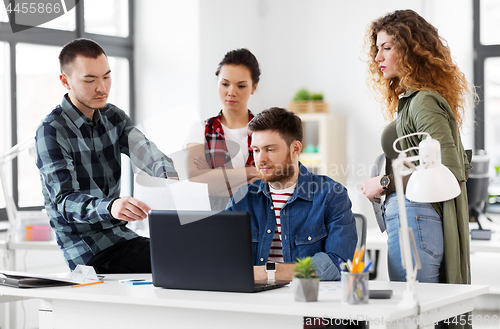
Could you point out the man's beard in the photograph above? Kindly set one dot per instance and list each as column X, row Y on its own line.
column 283, row 172
column 86, row 104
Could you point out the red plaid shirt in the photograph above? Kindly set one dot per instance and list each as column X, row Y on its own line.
column 216, row 152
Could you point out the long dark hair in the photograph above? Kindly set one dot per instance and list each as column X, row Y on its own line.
column 243, row 57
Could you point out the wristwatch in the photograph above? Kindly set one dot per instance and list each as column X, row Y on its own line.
column 385, row 181
column 271, row 271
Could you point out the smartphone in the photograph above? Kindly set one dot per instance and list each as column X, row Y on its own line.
column 380, row 294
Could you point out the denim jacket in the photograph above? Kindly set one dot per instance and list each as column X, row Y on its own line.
column 317, row 221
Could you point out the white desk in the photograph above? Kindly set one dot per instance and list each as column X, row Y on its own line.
column 116, row 305
column 10, row 250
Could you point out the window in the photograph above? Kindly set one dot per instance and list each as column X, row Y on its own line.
column 490, row 22
column 108, row 17
column 64, row 22
column 39, row 92
column 492, row 108
column 487, row 51
column 120, row 91
column 3, row 15
column 30, row 86
column 487, row 81
column 120, row 96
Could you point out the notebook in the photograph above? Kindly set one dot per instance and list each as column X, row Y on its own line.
column 213, row 251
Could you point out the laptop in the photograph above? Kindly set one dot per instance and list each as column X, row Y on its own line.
column 213, row 251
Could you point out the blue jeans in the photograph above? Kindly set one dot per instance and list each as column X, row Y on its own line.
column 427, row 229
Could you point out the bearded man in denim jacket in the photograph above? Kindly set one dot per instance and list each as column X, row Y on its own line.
column 295, row 213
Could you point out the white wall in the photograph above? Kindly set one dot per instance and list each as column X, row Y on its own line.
column 167, row 55
column 226, row 25
column 315, row 44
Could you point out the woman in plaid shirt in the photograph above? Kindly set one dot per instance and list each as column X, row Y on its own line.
column 218, row 149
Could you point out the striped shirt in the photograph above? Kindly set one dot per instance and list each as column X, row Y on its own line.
column 80, row 169
column 280, row 198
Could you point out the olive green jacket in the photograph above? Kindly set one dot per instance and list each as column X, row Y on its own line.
column 426, row 111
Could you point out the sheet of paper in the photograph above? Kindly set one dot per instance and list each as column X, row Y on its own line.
column 167, row 194
column 330, row 288
column 154, row 192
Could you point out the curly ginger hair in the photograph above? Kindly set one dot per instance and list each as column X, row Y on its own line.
column 423, row 62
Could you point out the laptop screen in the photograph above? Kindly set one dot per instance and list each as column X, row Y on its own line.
column 213, row 251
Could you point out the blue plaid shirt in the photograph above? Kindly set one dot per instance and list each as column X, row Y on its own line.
column 80, row 169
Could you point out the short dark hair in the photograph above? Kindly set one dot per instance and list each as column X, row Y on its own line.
column 79, row 47
column 241, row 56
column 286, row 123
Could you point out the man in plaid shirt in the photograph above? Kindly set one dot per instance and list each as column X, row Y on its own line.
column 78, row 154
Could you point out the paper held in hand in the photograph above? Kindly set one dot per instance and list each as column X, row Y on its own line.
column 166, row 194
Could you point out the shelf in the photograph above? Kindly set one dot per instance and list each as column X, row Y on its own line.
column 328, row 132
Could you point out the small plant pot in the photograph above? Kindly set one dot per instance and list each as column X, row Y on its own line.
column 306, row 290
column 308, row 107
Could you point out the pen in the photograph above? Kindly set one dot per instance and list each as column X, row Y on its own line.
column 138, row 282
column 126, row 280
column 342, row 265
column 87, row 284
column 367, row 267
column 359, row 268
column 360, row 256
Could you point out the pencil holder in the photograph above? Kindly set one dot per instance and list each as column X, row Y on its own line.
column 354, row 288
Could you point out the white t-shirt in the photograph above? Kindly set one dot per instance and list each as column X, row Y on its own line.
column 238, row 150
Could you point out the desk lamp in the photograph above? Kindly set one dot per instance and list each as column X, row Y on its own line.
column 9, row 200
column 430, row 181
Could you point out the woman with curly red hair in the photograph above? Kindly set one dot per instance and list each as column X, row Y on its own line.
column 423, row 90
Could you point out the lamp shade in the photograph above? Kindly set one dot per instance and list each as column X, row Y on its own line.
column 432, row 181
column 435, row 184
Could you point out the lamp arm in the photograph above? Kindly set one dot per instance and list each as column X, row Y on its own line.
column 14, row 151
column 410, row 296
column 395, row 144
column 407, row 166
column 9, row 204
column 11, row 208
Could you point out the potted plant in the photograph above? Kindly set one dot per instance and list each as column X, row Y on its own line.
column 304, row 101
column 305, row 282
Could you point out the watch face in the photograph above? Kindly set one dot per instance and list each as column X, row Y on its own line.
column 270, row 267
column 385, row 181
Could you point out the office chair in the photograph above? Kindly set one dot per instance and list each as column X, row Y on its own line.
column 361, row 230
column 477, row 193
column 361, row 227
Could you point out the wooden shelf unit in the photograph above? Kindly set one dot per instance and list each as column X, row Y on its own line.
column 328, row 132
